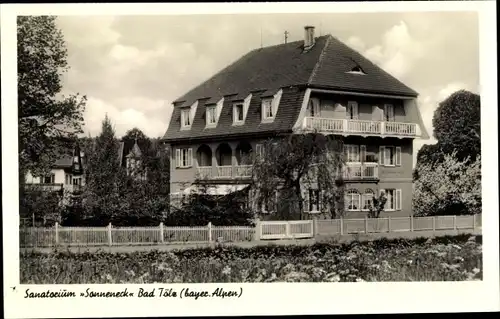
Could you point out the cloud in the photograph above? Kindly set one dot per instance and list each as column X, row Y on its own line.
column 124, row 117
column 398, row 51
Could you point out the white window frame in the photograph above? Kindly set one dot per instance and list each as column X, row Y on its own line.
column 236, row 113
column 68, row 178
column 351, row 196
column 367, row 195
column 78, row 181
column 211, row 113
column 350, row 149
column 267, row 107
column 385, row 157
column 184, row 157
column 394, row 201
column 185, row 115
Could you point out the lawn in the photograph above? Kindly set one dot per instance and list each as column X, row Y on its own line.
column 448, row 258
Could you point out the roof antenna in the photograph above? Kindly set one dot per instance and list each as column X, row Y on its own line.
column 286, row 36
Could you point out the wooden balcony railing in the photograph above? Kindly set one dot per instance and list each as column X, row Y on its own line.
column 360, row 127
column 223, row 172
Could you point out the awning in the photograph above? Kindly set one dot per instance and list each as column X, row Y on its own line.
column 215, row 189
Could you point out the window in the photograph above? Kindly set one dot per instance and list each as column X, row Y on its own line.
column 238, row 113
column 49, row 179
column 394, row 199
column 352, row 200
column 352, row 153
column 211, row 115
column 390, row 155
column 184, row 157
column 67, row 179
column 77, row 181
column 185, row 119
column 389, row 113
column 368, row 199
column 314, row 108
column 267, row 109
column 352, row 110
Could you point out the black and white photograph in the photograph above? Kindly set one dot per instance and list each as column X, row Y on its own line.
column 158, row 150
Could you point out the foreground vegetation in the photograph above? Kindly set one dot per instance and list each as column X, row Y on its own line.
column 449, row 258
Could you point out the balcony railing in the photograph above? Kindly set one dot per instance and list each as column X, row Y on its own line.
column 224, row 172
column 53, row 187
column 361, row 171
column 344, row 126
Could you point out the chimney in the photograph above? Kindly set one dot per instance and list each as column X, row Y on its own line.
column 308, row 37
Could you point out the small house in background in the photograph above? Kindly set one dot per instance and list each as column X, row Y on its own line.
column 66, row 174
column 130, row 156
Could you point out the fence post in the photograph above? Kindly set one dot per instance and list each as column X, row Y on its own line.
column 455, row 222
column 389, row 224
column 257, row 232
column 474, row 222
column 57, row 233
column 209, row 232
column 433, row 224
column 341, row 226
column 162, row 240
column 411, row 223
column 110, row 238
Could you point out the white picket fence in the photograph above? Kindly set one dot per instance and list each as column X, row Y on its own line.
column 264, row 230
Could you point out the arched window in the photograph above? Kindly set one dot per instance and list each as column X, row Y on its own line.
column 368, row 199
column 352, row 200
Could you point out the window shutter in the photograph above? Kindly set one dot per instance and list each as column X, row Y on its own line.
column 363, row 153
column 398, row 156
column 385, row 113
column 355, row 110
column 317, row 108
column 381, row 155
column 399, row 199
column 190, row 157
column 177, row 157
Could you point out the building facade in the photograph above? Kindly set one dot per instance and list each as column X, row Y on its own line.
column 315, row 85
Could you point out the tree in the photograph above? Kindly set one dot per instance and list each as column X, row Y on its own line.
column 377, row 206
column 295, row 163
column 450, row 187
column 48, row 123
column 200, row 208
column 102, row 177
column 457, row 125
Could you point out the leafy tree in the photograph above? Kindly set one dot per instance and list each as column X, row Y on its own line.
column 102, row 177
column 450, row 187
column 200, row 208
column 377, row 206
column 48, row 123
column 294, row 164
column 457, row 125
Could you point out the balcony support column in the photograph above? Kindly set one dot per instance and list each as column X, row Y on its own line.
column 214, row 161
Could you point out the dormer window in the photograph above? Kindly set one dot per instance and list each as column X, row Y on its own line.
column 238, row 113
column 211, row 115
column 185, row 118
column 270, row 107
column 267, row 109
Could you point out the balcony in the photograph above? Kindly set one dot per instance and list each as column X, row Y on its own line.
column 224, row 172
column 360, row 127
column 53, row 187
column 361, row 171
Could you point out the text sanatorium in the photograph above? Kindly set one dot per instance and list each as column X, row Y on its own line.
column 63, row 293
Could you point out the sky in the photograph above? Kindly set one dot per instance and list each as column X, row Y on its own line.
column 133, row 67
